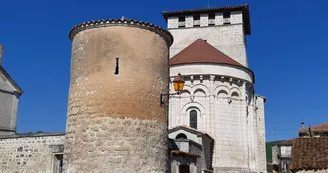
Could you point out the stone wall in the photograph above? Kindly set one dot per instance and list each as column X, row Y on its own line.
column 29, row 153
column 275, row 153
column 312, row 171
column 286, row 151
column 260, row 100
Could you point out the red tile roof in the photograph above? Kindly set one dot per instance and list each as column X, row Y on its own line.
column 318, row 128
column 202, row 52
column 309, row 153
column 286, row 143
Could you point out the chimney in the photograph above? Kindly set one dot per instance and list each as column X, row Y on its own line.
column 302, row 125
column 1, row 53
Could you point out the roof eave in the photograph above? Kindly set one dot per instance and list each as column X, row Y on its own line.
column 19, row 91
column 245, row 68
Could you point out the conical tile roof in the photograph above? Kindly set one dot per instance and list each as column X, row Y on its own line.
column 202, row 52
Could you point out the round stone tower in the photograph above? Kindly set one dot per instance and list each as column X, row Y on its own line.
column 115, row 121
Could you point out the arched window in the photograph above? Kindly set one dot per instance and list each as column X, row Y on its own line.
column 193, row 119
column 181, row 136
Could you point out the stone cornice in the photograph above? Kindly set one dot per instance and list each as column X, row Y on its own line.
column 213, row 77
column 121, row 22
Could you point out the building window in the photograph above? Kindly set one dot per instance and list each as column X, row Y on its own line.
column 182, row 22
column 181, row 136
column 226, row 18
column 211, row 16
column 58, row 163
column 197, row 17
column 182, row 19
column 211, row 19
column 196, row 20
column 193, row 119
column 226, row 15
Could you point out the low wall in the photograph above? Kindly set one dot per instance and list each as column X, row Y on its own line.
column 30, row 153
column 314, row 171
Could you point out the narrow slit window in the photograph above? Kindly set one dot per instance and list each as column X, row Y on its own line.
column 193, row 119
column 58, row 163
column 117, row 66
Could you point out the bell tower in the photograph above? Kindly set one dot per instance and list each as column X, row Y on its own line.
column 223, row 27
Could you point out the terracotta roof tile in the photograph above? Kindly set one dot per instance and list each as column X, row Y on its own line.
column 202, row 52
column 317, row 128
column 310, row 153
column 286, row 143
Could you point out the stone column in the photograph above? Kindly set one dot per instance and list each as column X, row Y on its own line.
column 115, row 123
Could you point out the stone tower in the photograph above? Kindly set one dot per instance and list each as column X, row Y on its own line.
column 115, row 122
column 224, row 28
column 209, row 50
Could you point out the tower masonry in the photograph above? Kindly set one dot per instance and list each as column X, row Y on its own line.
column 115, row 122
column 223, row 27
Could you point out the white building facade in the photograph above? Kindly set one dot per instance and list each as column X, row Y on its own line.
column 209, row 51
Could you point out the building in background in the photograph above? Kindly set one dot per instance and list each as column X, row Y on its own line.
column 310, row 155
column 282, row 152
column 317, row 130
column 10, row 93
column 281, row 156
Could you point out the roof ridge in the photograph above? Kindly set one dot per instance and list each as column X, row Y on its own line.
column 324, row 126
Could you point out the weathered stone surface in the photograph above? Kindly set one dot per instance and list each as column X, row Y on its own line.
column 115, row 121
column 124, row 145
column 28, row 153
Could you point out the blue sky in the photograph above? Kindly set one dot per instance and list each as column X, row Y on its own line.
column 287, row 51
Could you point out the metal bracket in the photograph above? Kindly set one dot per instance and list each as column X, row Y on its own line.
column 162, row 101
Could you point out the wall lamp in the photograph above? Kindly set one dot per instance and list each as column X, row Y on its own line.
column 178, row 84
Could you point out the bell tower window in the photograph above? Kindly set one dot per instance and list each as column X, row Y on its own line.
column 193, row 119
